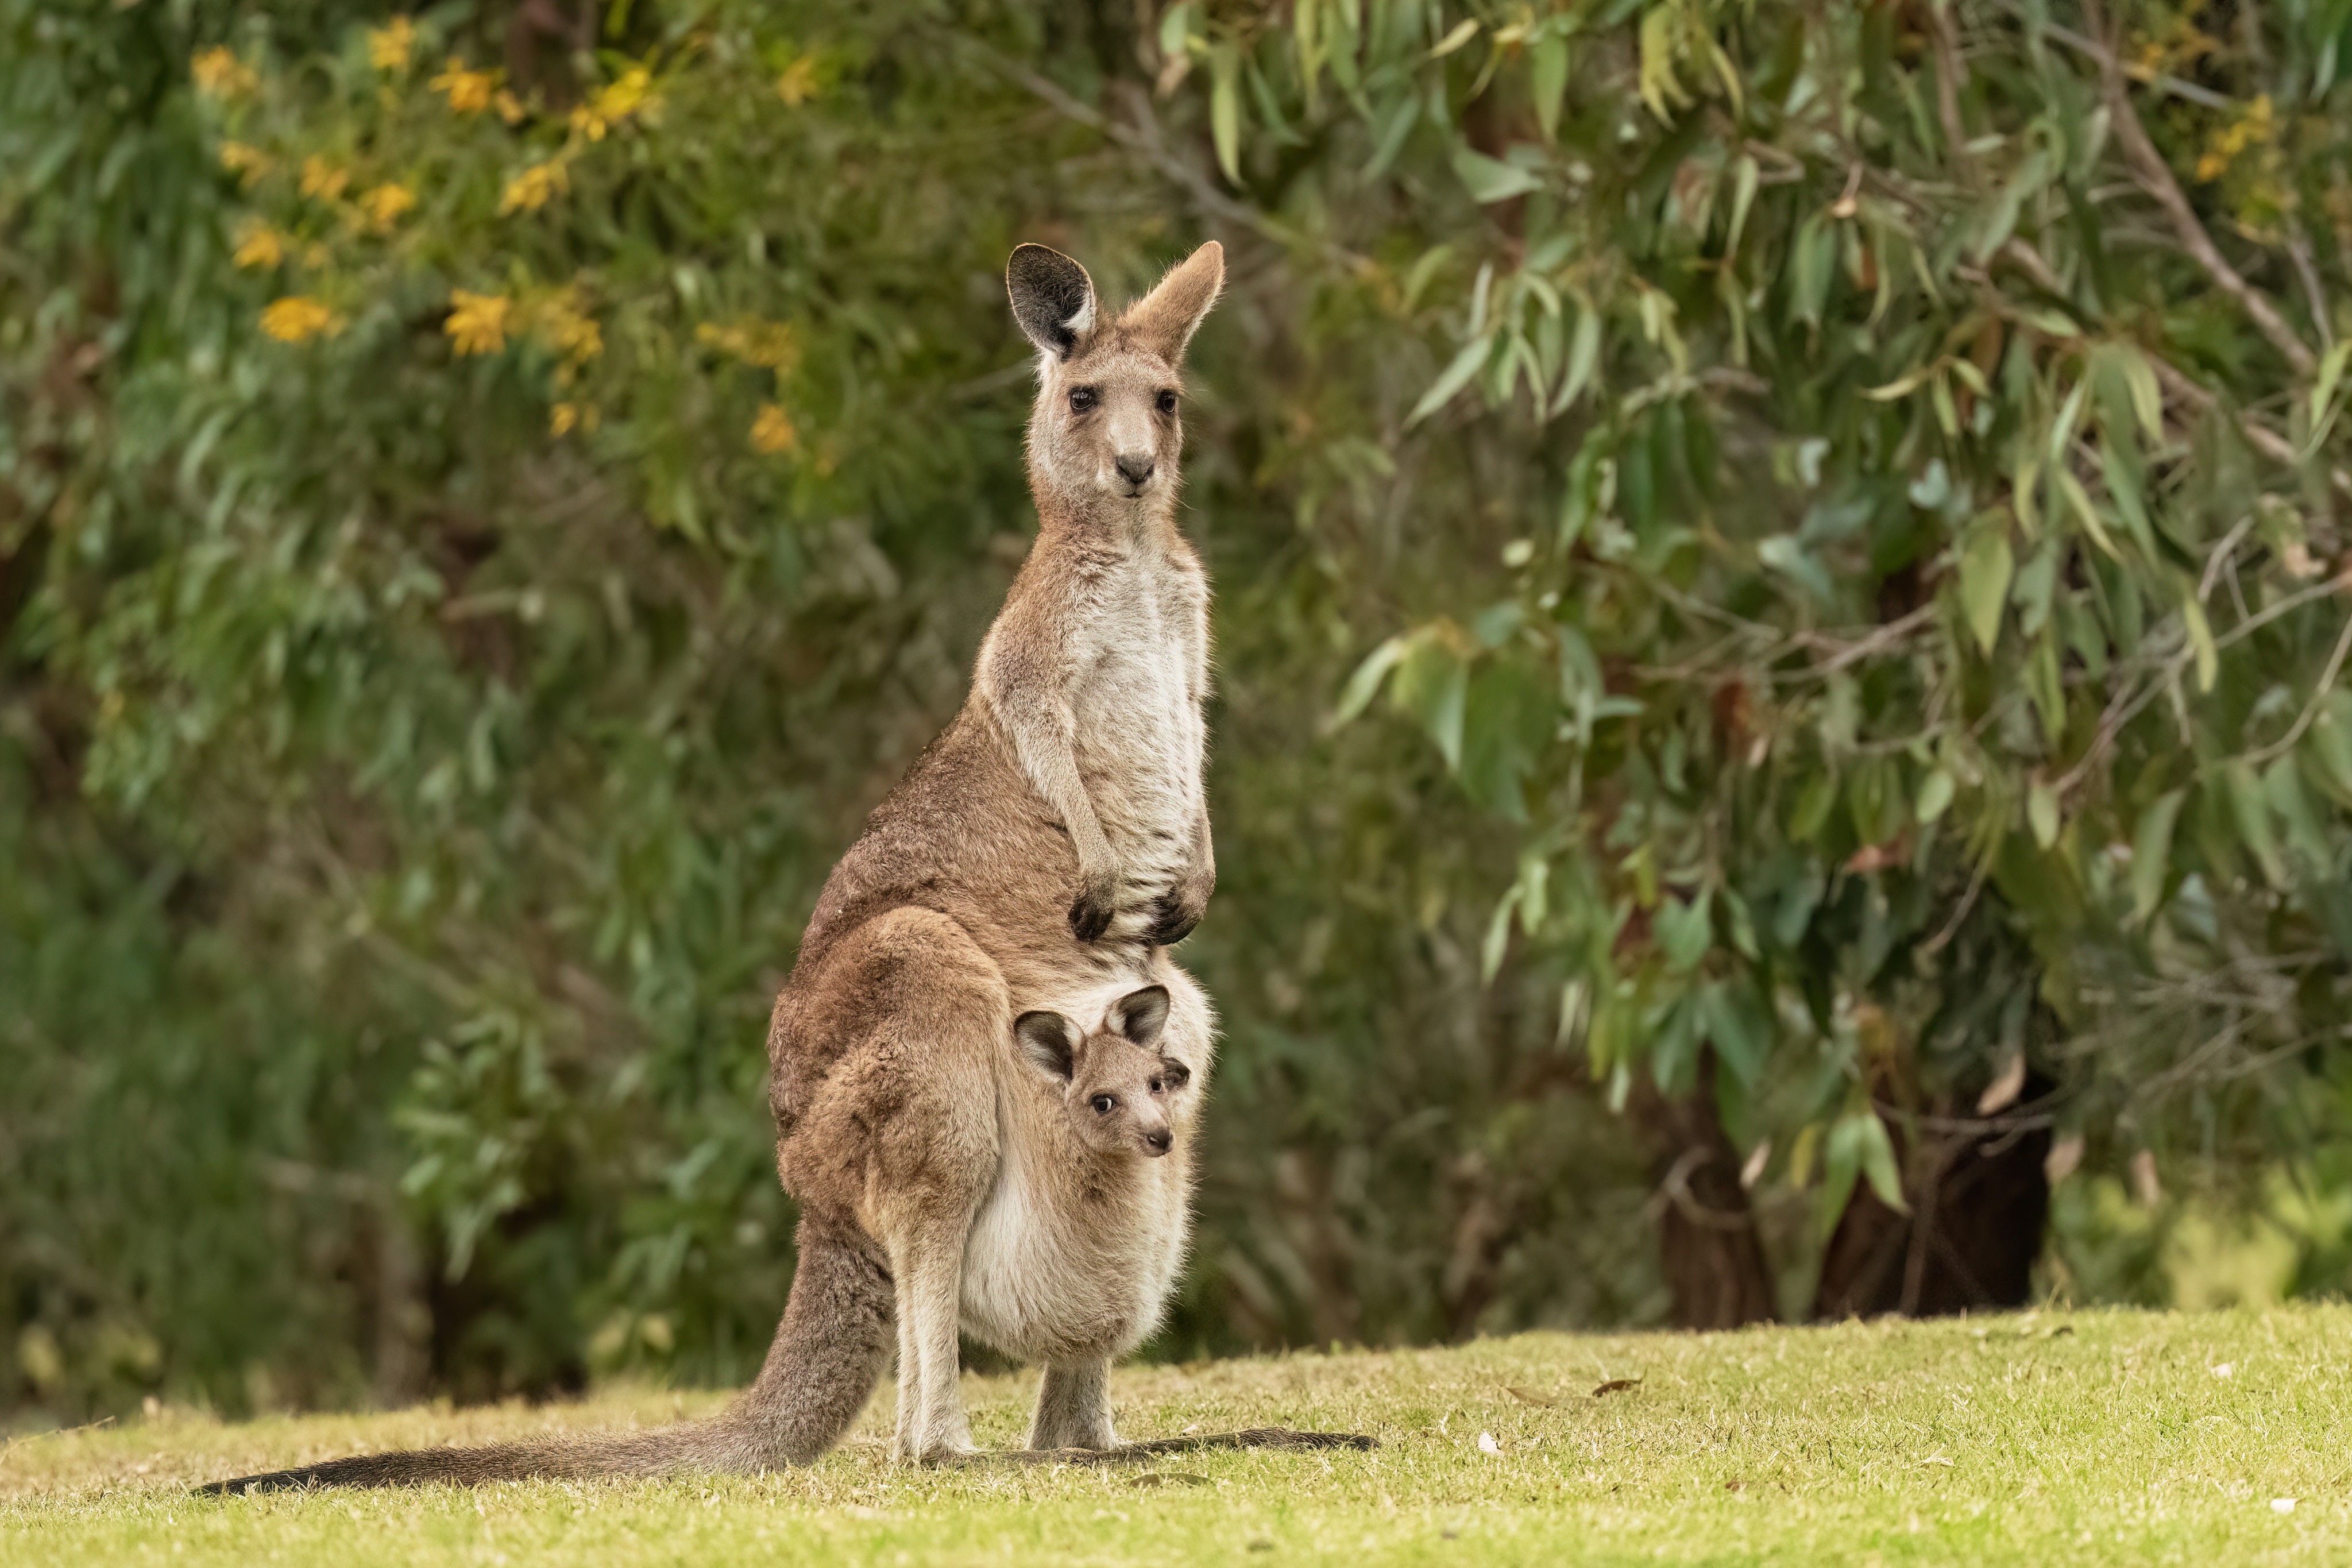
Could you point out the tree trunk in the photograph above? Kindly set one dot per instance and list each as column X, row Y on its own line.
column 1716, row 1272
column 1979, row 1201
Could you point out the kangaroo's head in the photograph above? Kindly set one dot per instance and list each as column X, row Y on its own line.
column 1106, row 426
column 1118, row 1093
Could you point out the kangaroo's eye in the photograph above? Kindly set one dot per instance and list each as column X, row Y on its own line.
column 1156, row 1085
column 1083, row 398
column 1167, row 402
column 1105, row 1104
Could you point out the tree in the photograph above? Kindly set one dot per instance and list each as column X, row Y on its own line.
column 1921, row 426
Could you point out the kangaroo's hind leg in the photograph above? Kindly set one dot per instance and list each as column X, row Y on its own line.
column 901, row 1135
column 1074, row 1407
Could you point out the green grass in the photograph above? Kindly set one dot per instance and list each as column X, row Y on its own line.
column 2083, row 1438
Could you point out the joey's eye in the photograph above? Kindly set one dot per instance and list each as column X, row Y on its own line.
column 1156, row 1085
column 1167, row 402
column 1083, row 398
column 1105, row 1104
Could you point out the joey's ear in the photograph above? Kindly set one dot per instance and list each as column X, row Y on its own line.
column 1142, row 1014
column 1048, row 1039
column 1052, row 298
column 1165, row 319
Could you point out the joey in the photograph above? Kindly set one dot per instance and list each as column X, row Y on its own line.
column 1116, row 1086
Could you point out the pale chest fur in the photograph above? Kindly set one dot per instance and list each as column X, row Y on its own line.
column 1067, row 1262
column 1139, row 674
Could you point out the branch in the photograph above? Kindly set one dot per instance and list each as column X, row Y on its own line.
column 2090, row 49
column 2155, row 178
column 2310, row 710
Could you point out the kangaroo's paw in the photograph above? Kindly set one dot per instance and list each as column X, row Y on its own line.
column 1091, row 913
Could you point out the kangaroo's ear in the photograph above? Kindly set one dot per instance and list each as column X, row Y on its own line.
column 1142, row 1015
column 1165, row 320
column 1052, row 299
column 1048, row 1039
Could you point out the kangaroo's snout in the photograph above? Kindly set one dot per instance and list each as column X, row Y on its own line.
column 1135, row 467
column 1158, row 1142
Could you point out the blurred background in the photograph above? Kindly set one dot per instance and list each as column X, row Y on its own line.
column 1782, row 594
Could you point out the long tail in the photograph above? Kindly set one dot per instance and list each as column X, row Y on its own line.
column 821, row 1369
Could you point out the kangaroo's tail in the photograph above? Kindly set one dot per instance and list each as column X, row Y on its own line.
column 821, row 1369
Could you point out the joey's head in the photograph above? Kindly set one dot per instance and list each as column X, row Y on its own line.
column 1119, row 1094
column 1105, row 427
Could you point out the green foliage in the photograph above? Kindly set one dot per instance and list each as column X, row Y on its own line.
column 1922, row 452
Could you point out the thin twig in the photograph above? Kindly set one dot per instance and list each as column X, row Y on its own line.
column 2286, row 743
column 1131, row 1453
column 1942, row 939
column 2187, row 91
column 2155, row 178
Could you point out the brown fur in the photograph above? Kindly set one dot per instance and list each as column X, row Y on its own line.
column 1038, row 856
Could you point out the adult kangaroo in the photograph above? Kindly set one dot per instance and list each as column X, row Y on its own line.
column 1031, row 865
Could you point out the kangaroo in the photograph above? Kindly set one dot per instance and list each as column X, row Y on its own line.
column 1041, row 854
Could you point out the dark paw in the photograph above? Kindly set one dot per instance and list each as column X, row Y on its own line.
column 1170, row 921
column 1089, row 917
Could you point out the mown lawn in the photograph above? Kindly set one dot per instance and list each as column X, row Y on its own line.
column 2079, row 1436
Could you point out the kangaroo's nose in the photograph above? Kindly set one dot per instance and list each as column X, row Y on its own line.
column 1134, row 466
column 1158, row 1139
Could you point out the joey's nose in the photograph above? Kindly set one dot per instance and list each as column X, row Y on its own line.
column 1134, row 466
column 1158, row 1140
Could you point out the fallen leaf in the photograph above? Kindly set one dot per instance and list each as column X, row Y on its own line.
column 1936, row 1459
column 1486, row 1444
column 1734, row 1484
column 1618, row 1385
column 2224, row 1370
column 1530, row 1396
column 2282, row 1505
column 1170, row 1478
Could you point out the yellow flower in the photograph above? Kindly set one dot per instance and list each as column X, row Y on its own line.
column 322, row 179
column 772, row 431
column 241, row 160
column 386, row 202
column 297, row 318
column 220, row 74
column 258, row 245
column 567, row 328
column 477, row 322
column 768, row 344
column 535, row 186
column 468, row 91
column 561, row 418
column 797, row 85
column 632, row 94
column 508, row 106
column 2252, row 129
column 388, row 45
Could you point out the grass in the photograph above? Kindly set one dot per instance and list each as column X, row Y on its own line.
column 2083, row 1436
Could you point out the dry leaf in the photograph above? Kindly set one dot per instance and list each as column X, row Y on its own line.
column 1530, row 1396
column 1617, row 1385
column 2007, row 1085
